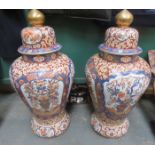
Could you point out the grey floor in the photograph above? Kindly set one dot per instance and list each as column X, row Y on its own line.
column 15, row 125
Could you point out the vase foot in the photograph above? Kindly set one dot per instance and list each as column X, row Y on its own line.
column 51, row 128
column 109, row 130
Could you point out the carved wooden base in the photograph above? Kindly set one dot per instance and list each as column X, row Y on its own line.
column 109, row 129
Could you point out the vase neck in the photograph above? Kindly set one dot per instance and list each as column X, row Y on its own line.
column 40, row 58
column 118, row 58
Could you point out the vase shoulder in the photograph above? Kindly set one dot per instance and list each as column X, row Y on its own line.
column 43, row 86
column 59, row 63
column 107, row 67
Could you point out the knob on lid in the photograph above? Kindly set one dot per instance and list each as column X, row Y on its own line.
column 124, row 18
column 35, row 17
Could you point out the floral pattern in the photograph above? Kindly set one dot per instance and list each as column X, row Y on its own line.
column 38, row 58
column 121, row 38
column 115, row 87
column 51, row 129
column 117, row 77
column 37, row 51
column 35, row 83
column 43, row 95
column 126, row 59
column 122, row 93
column 117, row 51
column 31, row 36
column 23, row 68
column 110, row 80
column 108, row 130
column 112, row 68
column 43, row 77
column 118, row 58
column 38, row 37
column 44, row 82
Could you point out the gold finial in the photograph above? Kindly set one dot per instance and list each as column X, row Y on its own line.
column 124, row 18
column 35, row 17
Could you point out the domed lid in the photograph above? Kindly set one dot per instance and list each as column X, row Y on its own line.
column 121, row 40
column 38, row 39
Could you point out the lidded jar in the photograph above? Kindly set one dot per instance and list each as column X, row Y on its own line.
column 117, row 77
column 43, row 77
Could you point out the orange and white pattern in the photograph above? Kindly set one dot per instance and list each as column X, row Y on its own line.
column 44, row 82
column 53, row 128
column 38, row 37
column 115, row 87
column 121, row 38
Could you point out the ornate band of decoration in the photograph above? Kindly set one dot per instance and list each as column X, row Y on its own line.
column 37, row 51
column 116, row 51
column 38, row 58
column 118, row 58
column 52, row 127
column 109, row 130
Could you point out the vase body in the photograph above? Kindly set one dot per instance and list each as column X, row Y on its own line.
column 43, row 81
column 116, row 78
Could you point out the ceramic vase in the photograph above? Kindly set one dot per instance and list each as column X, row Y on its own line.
column 117, row 77
column 43, row 77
